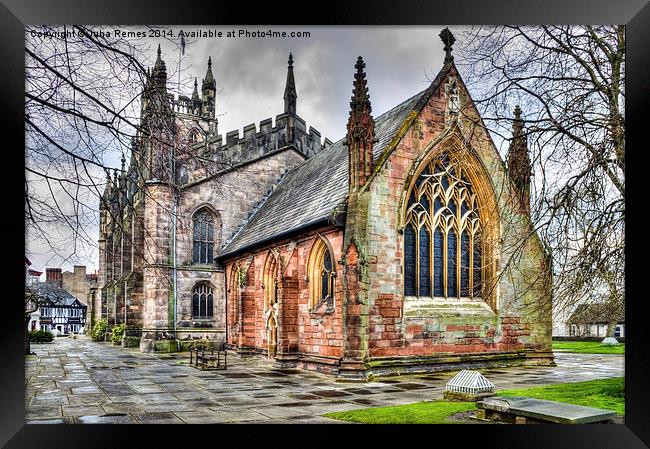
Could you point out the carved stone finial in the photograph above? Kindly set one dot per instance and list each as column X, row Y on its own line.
column 519, row 166
column 360, row 135
column 290, row 95
column 360, row 97
column 123, row 161
column 159, row 50
column 448, row 39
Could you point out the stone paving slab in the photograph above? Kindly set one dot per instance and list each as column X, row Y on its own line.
column 81, row 381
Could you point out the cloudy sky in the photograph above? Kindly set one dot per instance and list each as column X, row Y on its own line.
column 251, row 71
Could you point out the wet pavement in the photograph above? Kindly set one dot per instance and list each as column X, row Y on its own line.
column 81, row 381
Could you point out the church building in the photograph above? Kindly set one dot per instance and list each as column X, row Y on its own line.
column 406, row 246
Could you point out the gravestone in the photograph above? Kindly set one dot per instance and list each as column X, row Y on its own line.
column 522, row 410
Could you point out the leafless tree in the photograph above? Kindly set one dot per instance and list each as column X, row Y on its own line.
column 570, row 84
column 83, row 95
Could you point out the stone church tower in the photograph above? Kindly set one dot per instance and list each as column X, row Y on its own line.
column 183, row 184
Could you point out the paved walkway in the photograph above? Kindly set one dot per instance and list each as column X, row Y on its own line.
column 80, row 381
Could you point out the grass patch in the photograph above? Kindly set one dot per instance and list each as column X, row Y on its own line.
column 588, row 347
column 434, row 412
column 606, row 393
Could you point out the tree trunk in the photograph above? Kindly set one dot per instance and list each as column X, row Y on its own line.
column 611, row 328
column 28, row 348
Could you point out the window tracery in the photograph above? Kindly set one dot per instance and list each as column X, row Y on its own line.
column 202, row 301
column 442, row 236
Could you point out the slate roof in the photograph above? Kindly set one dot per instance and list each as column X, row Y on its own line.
column 56, row 295
column 307, row 195
column 597, row 313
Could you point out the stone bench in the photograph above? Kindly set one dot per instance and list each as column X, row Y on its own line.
column 522, row 410
column 212, row 359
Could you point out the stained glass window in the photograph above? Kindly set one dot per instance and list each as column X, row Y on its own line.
column 438, row 249
column 326, row 276
column 451, row 263
column 455, row 251
column 477, row 267
column 410, row 261
column 425, row 267
column 464, row 264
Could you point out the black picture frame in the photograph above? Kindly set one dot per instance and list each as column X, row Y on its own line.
column 16, row 13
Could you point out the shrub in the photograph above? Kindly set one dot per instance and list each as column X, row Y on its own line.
column 118, row 333
column 99, row 330
column 41, row 336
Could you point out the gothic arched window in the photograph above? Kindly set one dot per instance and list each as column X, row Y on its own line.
column 202, row 301
column 321, row 270
column 203, row 237
column 327, row 277
column 442, row 252
column 270, row 282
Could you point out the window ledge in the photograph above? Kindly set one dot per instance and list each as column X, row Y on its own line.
column 323, row 307
column 441, row 307
column 202, row 322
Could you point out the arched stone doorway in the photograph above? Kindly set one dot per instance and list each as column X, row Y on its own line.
column 272, row 335
column 271, row 286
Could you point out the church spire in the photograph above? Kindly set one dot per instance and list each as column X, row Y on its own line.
column 160, row 71
column 290, row 94
column 360, row 130
column 209, row 77
column 195, row 94
column 208, row 92
column 519, row 166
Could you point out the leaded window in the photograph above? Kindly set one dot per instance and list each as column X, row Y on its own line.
column 202, row 301
column 327, row 277
column 203, row 240
column 442, row 251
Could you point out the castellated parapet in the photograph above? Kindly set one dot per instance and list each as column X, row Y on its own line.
column 259, row 141
column 185, row 105
column 289, row 130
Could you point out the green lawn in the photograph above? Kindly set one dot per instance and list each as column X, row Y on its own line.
column 606, row 393
column 588, row 347
column 434, row 412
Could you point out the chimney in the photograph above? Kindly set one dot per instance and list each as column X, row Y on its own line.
column 54, row 275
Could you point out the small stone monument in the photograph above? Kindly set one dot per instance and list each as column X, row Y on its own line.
column 611, row 341
column 468, row 386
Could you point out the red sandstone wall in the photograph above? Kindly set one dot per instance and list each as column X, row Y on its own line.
column 390, row 331
column 302, row 331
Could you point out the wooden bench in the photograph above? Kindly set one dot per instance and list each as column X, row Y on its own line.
column 522, row 410
column 211, row 359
